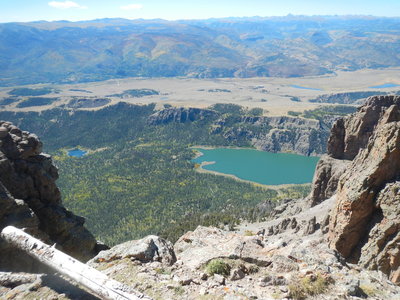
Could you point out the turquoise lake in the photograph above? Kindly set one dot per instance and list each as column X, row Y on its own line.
column 76, row 153
column 259, row 166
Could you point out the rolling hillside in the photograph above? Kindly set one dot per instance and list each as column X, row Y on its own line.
column 62, row 52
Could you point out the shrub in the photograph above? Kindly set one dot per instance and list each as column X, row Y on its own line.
column 249, row 233
column 308, row 286
column 369, row 290
column 162, row 271
column 179, row 290
column 218, row 266
column 253, row 269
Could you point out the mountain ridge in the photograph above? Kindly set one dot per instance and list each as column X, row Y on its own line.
column 98, row 50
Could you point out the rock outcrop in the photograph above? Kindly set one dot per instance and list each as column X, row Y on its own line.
column 326, row 178
column 180, row 115
column 288, row 134
column 148, row 249
column 30, row 199
column 352, row 133
column 273, row 134
column 196, row 248
column 364, row 225
column 381, row 250
column 277, row 134
column 346, row 98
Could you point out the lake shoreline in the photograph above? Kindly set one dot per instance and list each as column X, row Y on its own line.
column 218, row 147
column 244, row 148
column 265, row 186
column 203, row 162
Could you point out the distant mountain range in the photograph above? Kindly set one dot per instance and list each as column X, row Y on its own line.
column 67, row 52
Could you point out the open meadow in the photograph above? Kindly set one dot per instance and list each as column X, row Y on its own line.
column 276, row 96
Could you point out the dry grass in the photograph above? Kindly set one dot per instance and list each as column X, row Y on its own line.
column 271, row 94
column 308, row 286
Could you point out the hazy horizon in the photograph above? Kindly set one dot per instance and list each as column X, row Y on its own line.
column 211, row 18
column 175, row 10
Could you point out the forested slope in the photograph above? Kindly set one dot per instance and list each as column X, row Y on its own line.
column 137, row 178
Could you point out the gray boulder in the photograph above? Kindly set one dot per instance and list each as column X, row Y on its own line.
column 150, row 248
column 196, row 248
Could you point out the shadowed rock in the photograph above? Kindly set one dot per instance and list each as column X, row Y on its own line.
column 30, row 199
column 326, row 178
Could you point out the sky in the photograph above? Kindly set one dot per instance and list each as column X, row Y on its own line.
column 74, row 10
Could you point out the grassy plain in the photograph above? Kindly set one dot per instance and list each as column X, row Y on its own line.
column 273, row 94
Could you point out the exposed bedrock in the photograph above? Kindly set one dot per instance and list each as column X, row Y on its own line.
column 381, row 249
column 346, row 98
column 359, row 186
column 363, row 169
column 326, row 178
column 30, row 199
column 352, row 133
column 180, row 115
column 274, row 134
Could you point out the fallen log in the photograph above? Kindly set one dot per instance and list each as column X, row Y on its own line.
column 11, row 279
column 98, row 283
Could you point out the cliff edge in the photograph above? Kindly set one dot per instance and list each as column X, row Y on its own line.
column 30, row 199
column 362, row 169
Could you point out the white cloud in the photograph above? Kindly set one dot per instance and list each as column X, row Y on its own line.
column 131, row 7
column 65, row 5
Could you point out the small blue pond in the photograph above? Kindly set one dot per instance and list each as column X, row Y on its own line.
column 304, row 87
column 76, row 153
column 383, row 86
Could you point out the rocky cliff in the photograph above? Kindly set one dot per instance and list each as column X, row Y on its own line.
column 288, row 134
column 273, row 134
column 180, row 115
column 30, row 199
column 364, row 223
column 346, row 98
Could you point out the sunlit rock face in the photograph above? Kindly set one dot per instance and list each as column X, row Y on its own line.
column 362, row 168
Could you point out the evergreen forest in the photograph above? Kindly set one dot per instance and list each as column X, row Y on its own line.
column 138, row 179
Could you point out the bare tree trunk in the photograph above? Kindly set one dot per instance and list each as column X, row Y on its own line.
column 11, row 279
column 98, row 283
